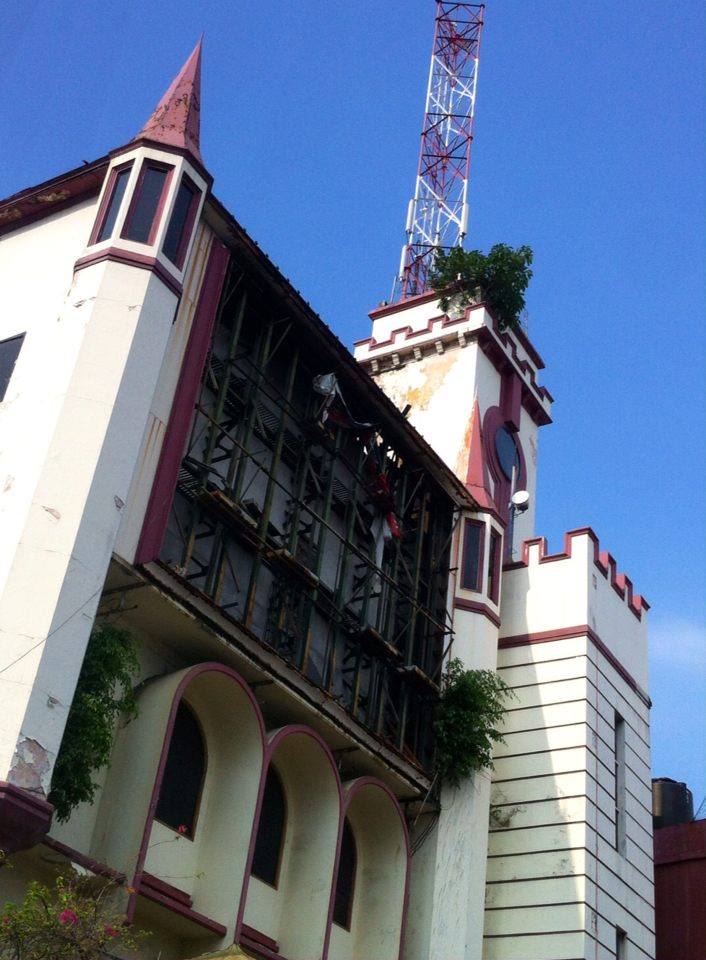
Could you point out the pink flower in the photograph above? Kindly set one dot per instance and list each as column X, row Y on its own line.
column 68, row 916
column 111, row 931
column 183, row 829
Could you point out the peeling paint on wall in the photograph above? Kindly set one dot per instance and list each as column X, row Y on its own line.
column 31, row 767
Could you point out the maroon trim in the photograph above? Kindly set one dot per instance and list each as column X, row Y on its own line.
column 386, row 309
column 118, row 255
column 167, row 889
column 582, row 630
column 478, row 586
column 160, row 502
column 258, row 939
column 259, row 949
column 150, row 893
column 186, row 680
column 165, row 148
column 475, row 606
column 24, row 818
column 108, row 194
column 353, row 789
column 95, row 866
column 602, row 560
column 148, row 164
column 45, row 199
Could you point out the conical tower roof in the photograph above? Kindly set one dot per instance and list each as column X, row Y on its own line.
column 176, row 120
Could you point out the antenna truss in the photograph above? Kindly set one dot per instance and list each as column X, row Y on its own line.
column 437, row 217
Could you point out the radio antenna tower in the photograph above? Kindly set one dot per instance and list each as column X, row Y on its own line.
column 437, row 217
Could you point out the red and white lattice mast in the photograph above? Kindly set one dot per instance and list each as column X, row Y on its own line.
column 437, row 218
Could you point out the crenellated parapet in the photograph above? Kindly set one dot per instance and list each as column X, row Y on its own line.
column 535, row 551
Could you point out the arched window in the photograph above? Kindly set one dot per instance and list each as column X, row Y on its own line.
column 345, row 881
column 270, row 830
column 183, row 774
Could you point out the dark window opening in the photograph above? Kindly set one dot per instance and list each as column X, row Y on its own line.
column 270, row 831
column 9, row 352
column 619, row 752
column 621, row 944
column 179, row 230
column 345, row 879
column 494, row 558
column 472, row 565
column 183, row 775
column 140, row 223
column 507, row 453
column 117, row 192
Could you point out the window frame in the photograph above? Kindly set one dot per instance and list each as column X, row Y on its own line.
column 469, row 524
column 188, row 227
column 351, row 899
column 199, row 794
column 494, row 565
column 21, row 338
column 148, row 164
column 621, row 944
column 107, row 200
column 285, row 821
column 619, row 745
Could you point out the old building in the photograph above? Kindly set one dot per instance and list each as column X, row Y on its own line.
column 189, row 452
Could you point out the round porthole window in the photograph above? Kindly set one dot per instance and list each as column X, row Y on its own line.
column 507, row 453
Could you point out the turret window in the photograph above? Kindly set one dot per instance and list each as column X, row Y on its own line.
column 472, row 565
column 494, row 560
column 270, row 831
column 142, row 219
column 9, row 352
column 183, row 775
column 345, row 879
column 115, row 191
column 181, row 223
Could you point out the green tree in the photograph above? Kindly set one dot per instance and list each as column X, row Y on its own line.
column 76, row 920
column 103, row 694
column 470, row 709
column 502, row 275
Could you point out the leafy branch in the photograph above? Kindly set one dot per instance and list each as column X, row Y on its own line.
column 103, row 694
column 502, row 275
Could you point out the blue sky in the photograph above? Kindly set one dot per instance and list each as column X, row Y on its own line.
column 589, row 147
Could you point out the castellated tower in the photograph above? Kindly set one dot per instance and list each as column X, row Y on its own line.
column 566, row 863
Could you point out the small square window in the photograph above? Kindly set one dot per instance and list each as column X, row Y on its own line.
column 9, row 352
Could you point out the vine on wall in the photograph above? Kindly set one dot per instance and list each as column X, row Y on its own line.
column 471, row 707
column 103, row 694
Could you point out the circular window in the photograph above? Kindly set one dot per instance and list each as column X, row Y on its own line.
column 506, row 451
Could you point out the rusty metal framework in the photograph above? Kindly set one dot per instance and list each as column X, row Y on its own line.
column 282, row 520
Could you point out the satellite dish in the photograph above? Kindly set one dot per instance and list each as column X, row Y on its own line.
column 520, row 500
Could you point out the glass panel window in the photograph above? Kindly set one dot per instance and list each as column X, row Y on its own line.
column 183, row 775
column 345, row 880
column 9, row 352
column 472, row 565
column 494, row 558
column 179, row 230
column 506, row 452
column 270, row 831
column 141, row 218
column 117, row 192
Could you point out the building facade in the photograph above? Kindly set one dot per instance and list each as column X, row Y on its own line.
column 298, row 540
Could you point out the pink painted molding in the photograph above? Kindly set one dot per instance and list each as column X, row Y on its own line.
column 566, row 633
column 118, row 255
column 475, row 606
column 603, row 561
column 160, row 502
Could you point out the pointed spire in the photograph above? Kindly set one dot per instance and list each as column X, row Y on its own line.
column 176, row 120
column 476, row 477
